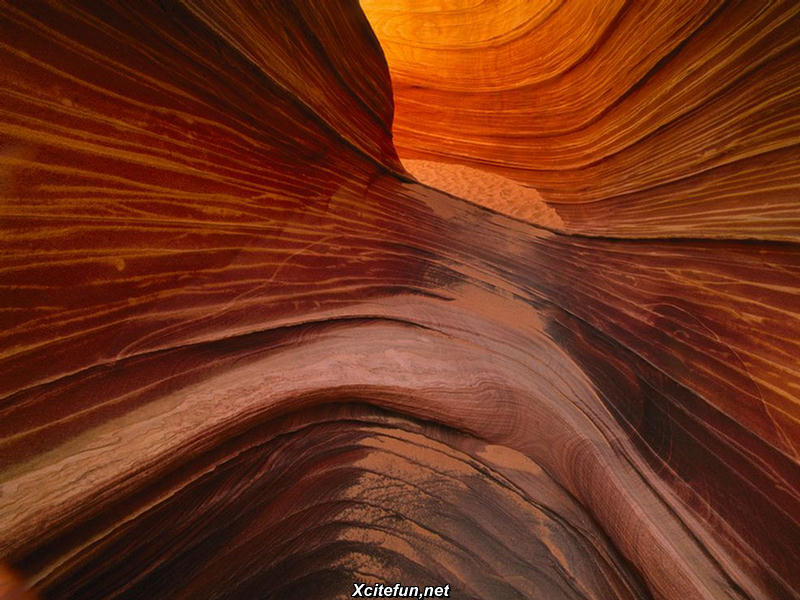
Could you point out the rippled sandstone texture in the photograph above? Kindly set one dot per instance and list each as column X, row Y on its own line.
column 632, row 119
column 244, row 354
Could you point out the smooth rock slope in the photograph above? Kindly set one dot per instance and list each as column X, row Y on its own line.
column 246, row 355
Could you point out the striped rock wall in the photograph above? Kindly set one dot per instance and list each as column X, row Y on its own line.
column 245, row 354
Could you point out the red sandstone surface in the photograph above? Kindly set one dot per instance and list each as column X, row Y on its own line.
column 245, row 354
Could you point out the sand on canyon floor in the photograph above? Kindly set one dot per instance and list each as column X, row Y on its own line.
column 486, row 189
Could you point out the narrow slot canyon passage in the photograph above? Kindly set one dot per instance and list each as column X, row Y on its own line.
column 411, row 298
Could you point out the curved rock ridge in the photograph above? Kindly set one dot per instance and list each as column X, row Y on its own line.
column 631, row 119
column 244, row 355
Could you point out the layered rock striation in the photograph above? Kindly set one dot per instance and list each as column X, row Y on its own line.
column 246, row 354
column 631, row 119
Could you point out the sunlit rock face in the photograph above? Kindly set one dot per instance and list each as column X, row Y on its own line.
column 246, row 355
column 632, row 119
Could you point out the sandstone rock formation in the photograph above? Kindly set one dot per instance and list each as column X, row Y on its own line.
column 632, row 119
column 246, row 355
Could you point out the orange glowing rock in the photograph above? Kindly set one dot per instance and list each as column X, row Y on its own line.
column 630, row 119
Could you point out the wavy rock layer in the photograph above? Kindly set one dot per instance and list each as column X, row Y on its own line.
column 631, row 119
column 243, row 355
